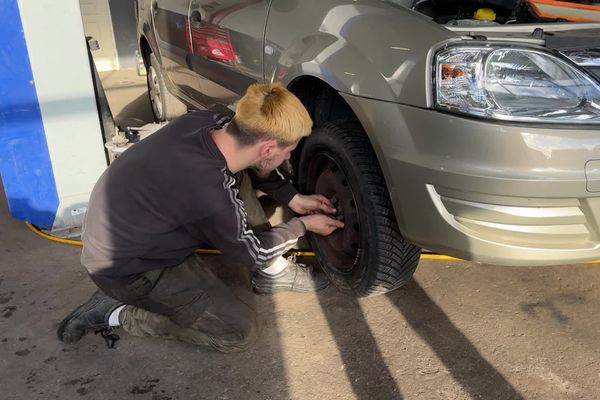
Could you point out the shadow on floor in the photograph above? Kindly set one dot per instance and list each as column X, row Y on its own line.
column 464, row 362
column 136, row 113
column 364, row 365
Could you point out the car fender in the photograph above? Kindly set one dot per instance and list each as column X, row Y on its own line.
column 145, row 27
column 376, row 49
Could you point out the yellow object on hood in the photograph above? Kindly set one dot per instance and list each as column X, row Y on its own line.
column 485, row 14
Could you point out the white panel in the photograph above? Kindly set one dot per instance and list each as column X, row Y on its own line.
column 63, row 81
column 176, row 6
column 97, row 23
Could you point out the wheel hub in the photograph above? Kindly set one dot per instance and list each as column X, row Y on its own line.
column 342, row 247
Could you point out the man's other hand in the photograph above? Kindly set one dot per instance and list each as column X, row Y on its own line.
column 311, row 204
column 321, row 224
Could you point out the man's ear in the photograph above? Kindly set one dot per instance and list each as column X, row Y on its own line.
column 266, row 148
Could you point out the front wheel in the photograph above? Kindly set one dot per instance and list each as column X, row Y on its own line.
column 369, row 255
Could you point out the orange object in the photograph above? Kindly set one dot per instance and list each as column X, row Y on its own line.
column 449, row 72
column 569, row 11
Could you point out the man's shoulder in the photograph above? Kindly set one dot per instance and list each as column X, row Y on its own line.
column 183, row 131
column 204, row 118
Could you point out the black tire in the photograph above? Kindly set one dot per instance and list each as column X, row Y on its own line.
column 165, row 106
column 369, row 256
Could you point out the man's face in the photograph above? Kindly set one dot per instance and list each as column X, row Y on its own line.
column 274, row 156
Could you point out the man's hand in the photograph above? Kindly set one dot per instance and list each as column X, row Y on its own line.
column 311, row 204
column 321, row 224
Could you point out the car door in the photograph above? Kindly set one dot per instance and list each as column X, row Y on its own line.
column 227, row 47
column 171, row 26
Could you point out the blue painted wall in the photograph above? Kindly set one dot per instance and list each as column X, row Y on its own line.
column 25, row 164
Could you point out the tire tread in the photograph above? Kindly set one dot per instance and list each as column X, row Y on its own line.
column 397, row 258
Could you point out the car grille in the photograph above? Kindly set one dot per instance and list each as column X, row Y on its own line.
column 534, row 223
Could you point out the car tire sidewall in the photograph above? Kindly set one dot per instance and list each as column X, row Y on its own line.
column 171, row 106
column 322, row 141
column 153, row 67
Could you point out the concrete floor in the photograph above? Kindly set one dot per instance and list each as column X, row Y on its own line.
column 128, row 97
column 458, row 331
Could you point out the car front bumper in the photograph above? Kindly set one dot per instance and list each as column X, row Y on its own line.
column 488, row 191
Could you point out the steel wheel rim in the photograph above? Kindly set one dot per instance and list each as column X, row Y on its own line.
column 155, row 95
column 342, row 248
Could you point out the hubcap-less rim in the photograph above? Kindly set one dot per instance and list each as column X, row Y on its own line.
column 341, row 249
column 155, row 95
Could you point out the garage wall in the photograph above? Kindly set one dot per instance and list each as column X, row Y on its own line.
column 112, row 22
column 97, row 23
column 123, row 20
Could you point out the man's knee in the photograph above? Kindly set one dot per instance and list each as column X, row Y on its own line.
column 255, row 215
column 245, row 335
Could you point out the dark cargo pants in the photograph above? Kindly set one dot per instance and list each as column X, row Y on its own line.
column 188, row 302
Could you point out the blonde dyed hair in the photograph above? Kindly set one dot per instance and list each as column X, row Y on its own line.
column 270, row 111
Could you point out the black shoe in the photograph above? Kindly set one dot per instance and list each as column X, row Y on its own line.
column 88, row 317
column 295, row 277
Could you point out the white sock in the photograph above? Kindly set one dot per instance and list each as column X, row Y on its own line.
column 276, row 267
column 113, row 320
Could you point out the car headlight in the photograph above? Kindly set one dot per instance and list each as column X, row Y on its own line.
column 584, row 57
column 514, row 84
